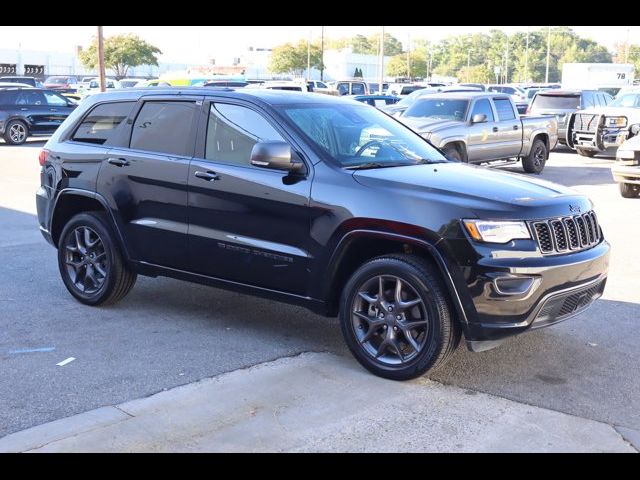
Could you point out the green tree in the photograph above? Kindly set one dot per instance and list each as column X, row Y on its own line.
column 290, row 58
column 121, row 52
column 392, row 46
column 360, row 44
column 397, row 66
column 475, row 74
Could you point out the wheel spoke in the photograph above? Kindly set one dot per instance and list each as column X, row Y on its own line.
column 409, row 304
column 91, row 275
column 79, row 245
column 100, row 269
column 368, row 298
column 380, row 289
column 398, row 292
column 393, row 343
column 382, row 348
column 87, row 239
column 370, row 333
column 410, row 340
column 414, row 324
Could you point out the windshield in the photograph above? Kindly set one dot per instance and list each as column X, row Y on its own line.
column 628, row 100
column 412, row 97
column 358, row 136
column 439, row 108
column 562, row 102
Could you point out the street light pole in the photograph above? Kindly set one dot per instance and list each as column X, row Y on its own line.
column 309, row 58
column 526, row 59
column 322, row 54
column 101, row 59
column 546, row 75
column 381, row 73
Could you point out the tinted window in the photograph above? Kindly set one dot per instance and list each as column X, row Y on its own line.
column 504, row 109
column 99, row 125
column 165, row 127
column 508, row 90
column 8, row 97
column 232, row 132
column 357, row 89
column 588, row 100
column 321, row 85
column 495, row 89
column 561, row 102
column 343, row 88
column 483, row 107
column 55, row 100
column 30, row 97
column 408, row 90
column 438, row 108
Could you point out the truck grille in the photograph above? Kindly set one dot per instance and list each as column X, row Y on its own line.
column 567, row 234
column 586, row 122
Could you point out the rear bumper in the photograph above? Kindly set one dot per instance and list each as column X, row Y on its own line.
column 550, row 289
column 43, row 203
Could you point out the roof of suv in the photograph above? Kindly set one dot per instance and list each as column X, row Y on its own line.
column 269, row 96
column 470, row 94
column 561, row 93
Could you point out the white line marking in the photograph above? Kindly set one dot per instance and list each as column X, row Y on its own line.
column 64, row 362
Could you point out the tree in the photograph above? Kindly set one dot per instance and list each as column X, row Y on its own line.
column 475, row 74
column 360, row 44
column 392, row 46
column 121, row 52
column 289, row 58
column 397, row 65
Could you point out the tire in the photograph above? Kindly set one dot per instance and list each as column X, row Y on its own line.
column 586, row 153
column 452, row 153
column 629, row 190
column 437, row 335
column 16, row 132
column 110, row 277
column 537, row 158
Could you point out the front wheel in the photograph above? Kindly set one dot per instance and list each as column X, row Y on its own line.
column 395, row 317
column 537, row 158
column 629, row 190
column 90, row 262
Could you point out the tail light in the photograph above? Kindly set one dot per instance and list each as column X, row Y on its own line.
column 42, row 158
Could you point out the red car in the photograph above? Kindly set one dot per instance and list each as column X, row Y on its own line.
column 62, row 83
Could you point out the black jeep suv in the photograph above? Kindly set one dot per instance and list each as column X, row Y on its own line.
column 316, row 201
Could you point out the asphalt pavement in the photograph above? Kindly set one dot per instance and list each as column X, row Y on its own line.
column 168, row 333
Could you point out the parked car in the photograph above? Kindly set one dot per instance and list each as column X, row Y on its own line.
column 226, row 83
column 377, row 100
column 324, row 203
column 129, row 82
column 26, row 112
column 154, row 82
column 626, row 171
column 403, row 89
column 14, row 85
column 480, row 86
column 31, row 81
column 285, row 85
column 562, row 103
column 603, row 128
column 405, row 102
column 517, row 93
column 479, row 127
column 94, row 86
column 316, row 86
column 350, row 87
column 62, row 83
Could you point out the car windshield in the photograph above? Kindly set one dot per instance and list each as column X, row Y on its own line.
column 57, row 80
column 564, row 102
column 412, row 97
column 628, row 100
column 358, row 136
column 439, row 108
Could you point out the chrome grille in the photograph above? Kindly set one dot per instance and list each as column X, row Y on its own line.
column 568, row 234
column 585, row 122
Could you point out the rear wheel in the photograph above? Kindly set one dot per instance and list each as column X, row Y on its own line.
column 90, row 262
column 535, row 161
column 395, row 317
column 16, row 132
column 629, row 190
column 586, row 153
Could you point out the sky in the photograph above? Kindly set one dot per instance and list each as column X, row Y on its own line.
column 198, row 44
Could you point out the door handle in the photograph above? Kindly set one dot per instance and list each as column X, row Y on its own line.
column 495, row 129
column 208, row 175
column 118, row 162
column 24, row 109
column 54, row 109
column 515, row 127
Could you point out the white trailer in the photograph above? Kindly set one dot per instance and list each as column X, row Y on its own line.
column 597, row 76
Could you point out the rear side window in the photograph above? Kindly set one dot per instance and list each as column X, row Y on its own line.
column 165, row 127
column 357, row 89
column 562, row 102
column 232, row 132
column 8, row 97
column 98, row 127
column 30, row 97
column 504, row 109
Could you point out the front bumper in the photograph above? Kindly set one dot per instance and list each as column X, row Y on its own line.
column 626, row 174
column 601, row 140
column 507, row 296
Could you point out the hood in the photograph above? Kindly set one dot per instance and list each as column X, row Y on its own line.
column 486, row 192
column 424, row 125
column 628, row 112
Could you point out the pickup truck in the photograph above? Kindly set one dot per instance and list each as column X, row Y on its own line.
column 603, row 129
column 480, row 127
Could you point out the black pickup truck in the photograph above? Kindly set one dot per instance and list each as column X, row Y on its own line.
column 316, row 201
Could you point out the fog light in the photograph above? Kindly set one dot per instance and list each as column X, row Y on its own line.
column 513, row 285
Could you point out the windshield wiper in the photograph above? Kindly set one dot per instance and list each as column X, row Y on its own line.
column 366, row 166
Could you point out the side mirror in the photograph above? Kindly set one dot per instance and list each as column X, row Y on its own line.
column 275, row 155
column 479, row 118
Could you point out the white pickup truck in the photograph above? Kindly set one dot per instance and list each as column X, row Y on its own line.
column 482, row 127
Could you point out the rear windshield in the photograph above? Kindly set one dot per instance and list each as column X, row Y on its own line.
column 565, row 102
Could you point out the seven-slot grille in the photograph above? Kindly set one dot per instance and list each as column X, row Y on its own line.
column 585, row 122
column 567, row 234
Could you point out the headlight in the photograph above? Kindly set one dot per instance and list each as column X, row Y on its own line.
column 617, row 121
column 496, row 232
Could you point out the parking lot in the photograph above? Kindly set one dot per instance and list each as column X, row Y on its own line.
column 168, row 333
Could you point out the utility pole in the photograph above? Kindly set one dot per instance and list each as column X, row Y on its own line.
column 506, row 63
column 430, row 61
column 322, row 54
column 408, row 56
column 381, row 61
column 526, row 59
column 546, row 75
column 309, row 58
column 626, row 52
column 101, row 59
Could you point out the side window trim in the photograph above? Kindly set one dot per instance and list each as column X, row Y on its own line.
column 202, row 132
